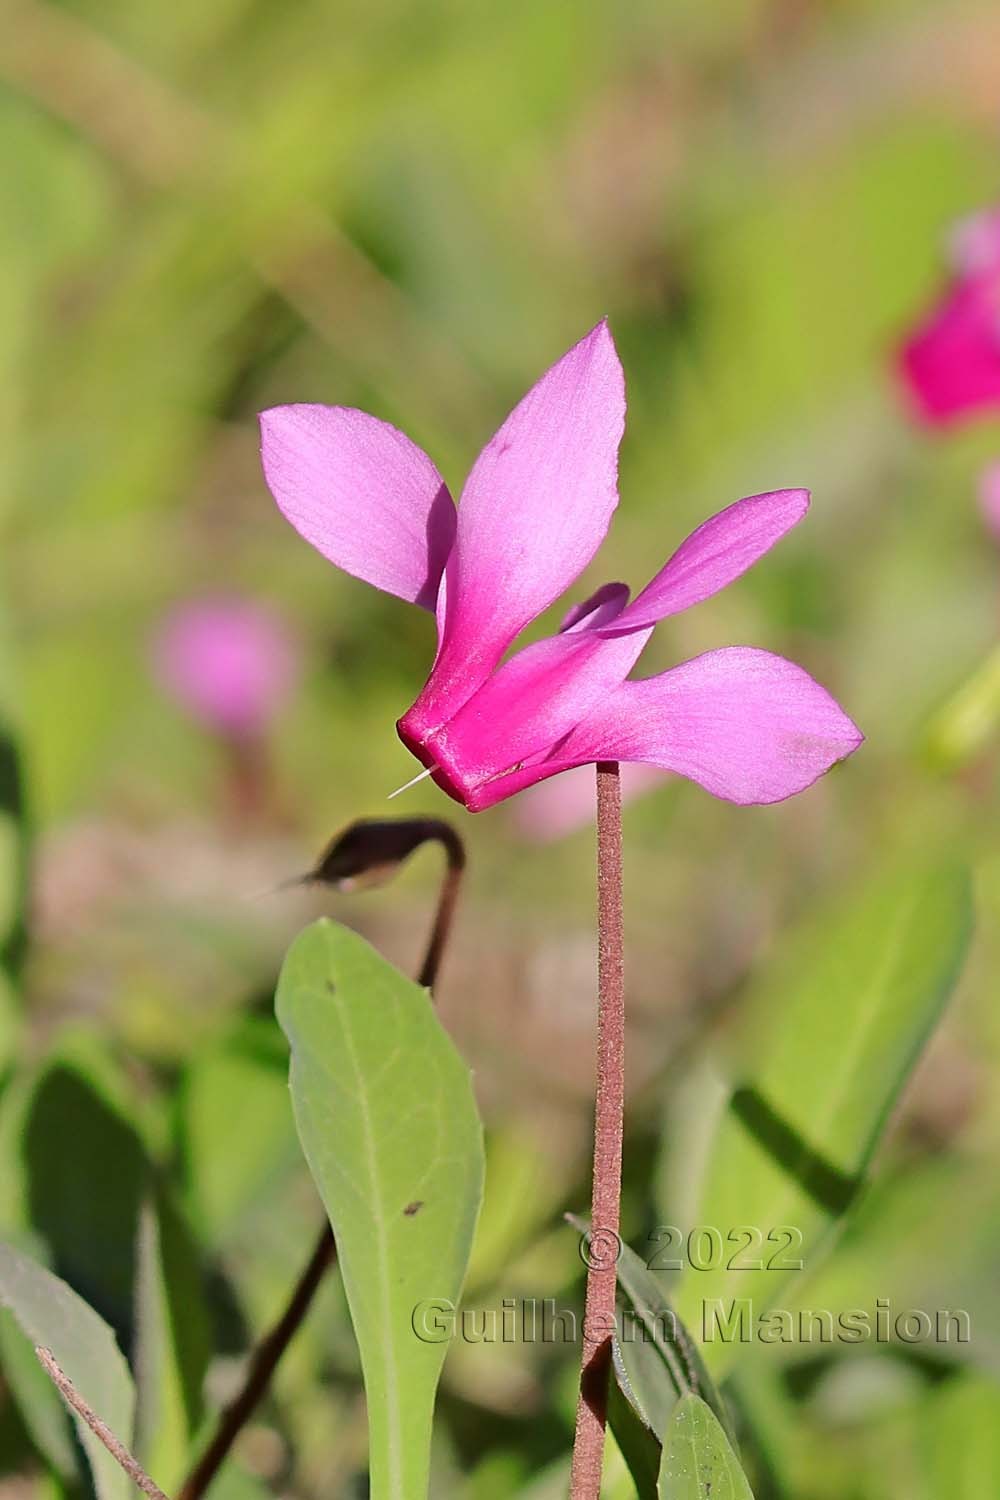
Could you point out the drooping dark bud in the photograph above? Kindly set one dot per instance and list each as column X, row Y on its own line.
column 369, row 852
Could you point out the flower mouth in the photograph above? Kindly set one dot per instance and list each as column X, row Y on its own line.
column 434, row 752
column 431, row 752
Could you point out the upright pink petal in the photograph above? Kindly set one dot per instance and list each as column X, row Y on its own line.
column 363, row 494
column 951, row 364
column 720, row 550
column 533, row 513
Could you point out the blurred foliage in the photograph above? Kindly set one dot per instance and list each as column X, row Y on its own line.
column 207, row 209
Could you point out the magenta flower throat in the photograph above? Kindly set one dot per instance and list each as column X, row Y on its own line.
column 745, row 724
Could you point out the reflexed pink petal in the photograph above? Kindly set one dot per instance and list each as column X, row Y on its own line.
column 748, row 726
column 558, row 807
column 533, row 513
column 720, row 550
column 989, row 498
column 951, row 365
column 363, row 494
column 604, row 604
column 227, row 662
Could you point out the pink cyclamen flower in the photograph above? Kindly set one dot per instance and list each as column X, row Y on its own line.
column 951, row 362
column 228, row 662
column 747, row 725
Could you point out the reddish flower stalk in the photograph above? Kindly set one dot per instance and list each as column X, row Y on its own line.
column 609, row 1109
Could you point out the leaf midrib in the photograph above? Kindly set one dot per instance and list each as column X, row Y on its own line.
column 394, row 1434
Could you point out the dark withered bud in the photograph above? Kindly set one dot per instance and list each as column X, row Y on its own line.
column 369, row 852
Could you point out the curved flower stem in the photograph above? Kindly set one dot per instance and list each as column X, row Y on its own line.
column 447, row 901
column 609, row 1109
column 262, row 1367
column 100, row 1429
column 365, row 849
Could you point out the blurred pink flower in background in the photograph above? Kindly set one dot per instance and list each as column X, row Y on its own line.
column 227, row 662
column 950, row 364
column 989, row 499
column 974, row 246
column 553, row 809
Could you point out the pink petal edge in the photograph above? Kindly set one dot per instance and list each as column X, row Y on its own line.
column 604, row 604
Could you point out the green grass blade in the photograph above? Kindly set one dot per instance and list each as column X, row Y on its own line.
column 833, row 1031
column 49, row 1313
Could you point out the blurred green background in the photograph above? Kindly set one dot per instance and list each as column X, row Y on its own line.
column 206, row 209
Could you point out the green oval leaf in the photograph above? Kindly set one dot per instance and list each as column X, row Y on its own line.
column 388, row 1123
column 698, row 1462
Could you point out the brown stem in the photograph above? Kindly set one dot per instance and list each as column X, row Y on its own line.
column 100, row 1429
column 262, row 1367
column 447, row 901
column 609, row 1109
column 372, row 849
column 248, row 777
